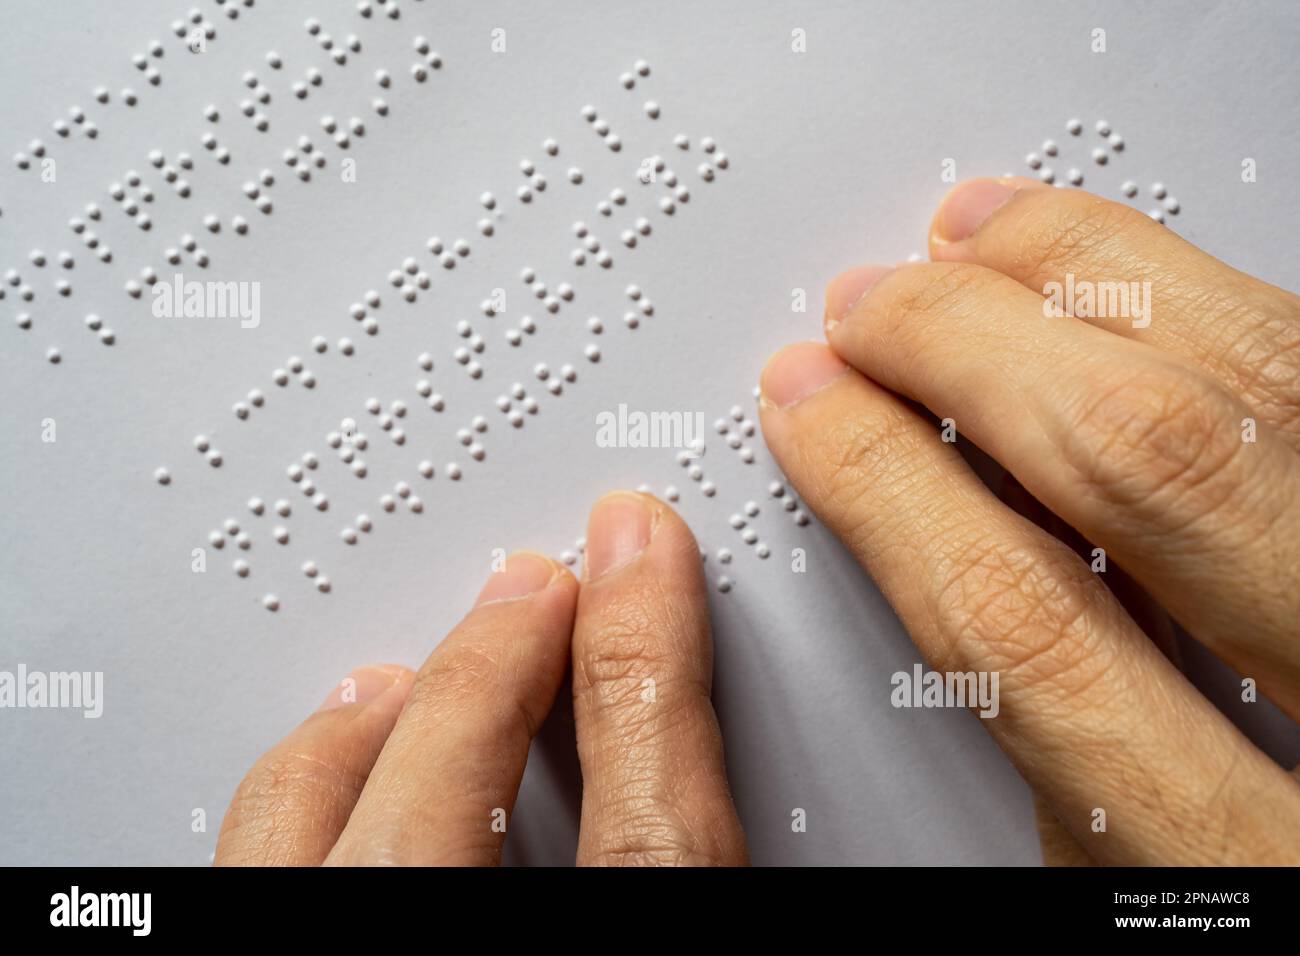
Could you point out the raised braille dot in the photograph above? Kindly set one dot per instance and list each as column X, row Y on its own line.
column 364, row 523
column 1049, row 147
column 724, row 584
column 309, row 568
column 1129, row 188
column 349, row 535
column 1074, row 127
column 280, row 534
column 1034, row 161
column 1158, row 190
column 240, row 567
column 282, row 508
column 1100, row 156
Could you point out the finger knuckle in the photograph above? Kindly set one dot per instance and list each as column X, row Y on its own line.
column 1071, row 231
column 626, row 649
column 930, row 292
column 1260, row 350
column 651, row 836
column 469, row 677
column 1021, row 613
column 863, row 461
column 282, row 789
column 1158, row 443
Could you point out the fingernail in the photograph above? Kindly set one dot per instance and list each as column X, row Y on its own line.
column 523, row 573
column 362, row 686
column 619, row 529
column 798, row 371
column 968, row 205
column 848, row 288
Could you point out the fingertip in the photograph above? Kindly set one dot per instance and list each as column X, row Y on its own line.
column 365, row 685
column 520, row 575
column 797, row 372
column 967, row 207
column 847, row 289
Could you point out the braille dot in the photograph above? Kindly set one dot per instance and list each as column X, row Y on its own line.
column 309, row 568
column 1129, row 188
column 364, row 523
column 282, row 508
column 1075, row 177
column 652, row 109
column 1033, row 161
column 349, row 535
column 724, row 584
column 281, row 535
column 1074, row 127
column 1158, row 190
column 1049, row 147
column 214, row 458
column 162, row 476
column 240, row 567
column 1100, row 156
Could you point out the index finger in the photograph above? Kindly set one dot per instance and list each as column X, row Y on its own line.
column 443, row 788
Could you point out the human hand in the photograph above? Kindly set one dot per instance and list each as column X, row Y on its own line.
column 404, row 768
column 1169, row 437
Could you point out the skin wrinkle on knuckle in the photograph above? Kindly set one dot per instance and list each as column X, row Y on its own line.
column 640, row 633
column 1260, row 354
column 637, row 829
column 921, row 296
column 279, row 804
column 1068, row 233
column 473, row 677
column 1007, row 610
column 858, row 464
column 1155, row 444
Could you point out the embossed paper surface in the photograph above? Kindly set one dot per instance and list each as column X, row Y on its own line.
column 432, row 243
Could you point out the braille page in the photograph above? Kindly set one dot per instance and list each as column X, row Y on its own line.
column 311, row 310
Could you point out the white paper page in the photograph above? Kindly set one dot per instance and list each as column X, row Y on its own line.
column 836, row 121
